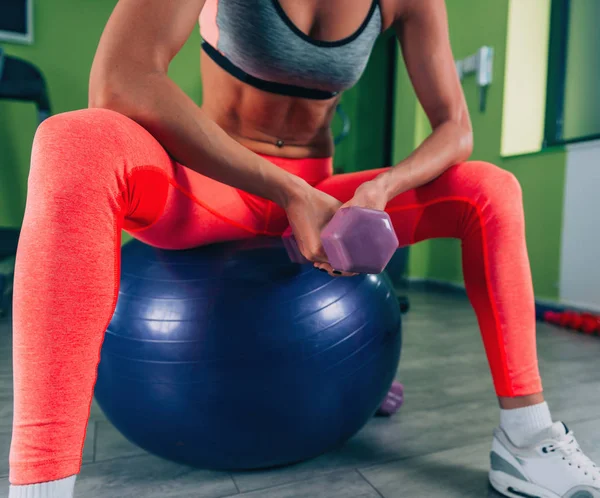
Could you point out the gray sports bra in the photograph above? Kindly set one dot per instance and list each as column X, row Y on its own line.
column 257, row 42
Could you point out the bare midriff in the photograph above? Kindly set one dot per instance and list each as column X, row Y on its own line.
column 264, row 122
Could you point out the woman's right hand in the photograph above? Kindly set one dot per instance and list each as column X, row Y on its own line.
column 308, row 211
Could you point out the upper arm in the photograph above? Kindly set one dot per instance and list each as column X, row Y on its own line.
column 144, row 36
column 422, row 30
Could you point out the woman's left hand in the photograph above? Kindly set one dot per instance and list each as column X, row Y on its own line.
column 371, row 194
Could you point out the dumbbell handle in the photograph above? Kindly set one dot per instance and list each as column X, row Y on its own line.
column 291, row 246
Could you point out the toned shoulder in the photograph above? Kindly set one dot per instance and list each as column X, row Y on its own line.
column 393, row 12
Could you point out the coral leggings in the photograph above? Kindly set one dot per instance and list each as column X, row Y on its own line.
column 95, row 172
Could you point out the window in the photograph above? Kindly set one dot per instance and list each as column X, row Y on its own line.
column 573, row 93
column 525, row 76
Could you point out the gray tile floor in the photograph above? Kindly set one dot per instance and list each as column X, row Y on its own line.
column 436, row 447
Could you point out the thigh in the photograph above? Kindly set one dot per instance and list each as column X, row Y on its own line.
column 199, row 210
column 433, row 210
column 105, row 166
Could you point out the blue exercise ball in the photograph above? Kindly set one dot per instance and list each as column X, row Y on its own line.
column 231, row 357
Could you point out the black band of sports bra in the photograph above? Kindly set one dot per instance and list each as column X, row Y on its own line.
column 267, row 86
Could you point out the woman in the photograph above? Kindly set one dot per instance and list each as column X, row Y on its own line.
column 256, row 157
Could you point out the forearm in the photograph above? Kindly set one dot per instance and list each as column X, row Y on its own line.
column 192, row 139
column 450, row 143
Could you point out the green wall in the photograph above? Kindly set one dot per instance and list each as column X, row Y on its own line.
column 473, row 24
column 66, row 36
column 367, row 106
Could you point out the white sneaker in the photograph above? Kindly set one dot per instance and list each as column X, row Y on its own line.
column 553, row 466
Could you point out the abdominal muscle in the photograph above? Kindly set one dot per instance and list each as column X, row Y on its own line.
column 267, row 123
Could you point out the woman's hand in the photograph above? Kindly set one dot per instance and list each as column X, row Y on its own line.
column 371, row 194
column 308, row 211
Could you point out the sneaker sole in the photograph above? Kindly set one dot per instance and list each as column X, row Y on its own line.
column 510, row 486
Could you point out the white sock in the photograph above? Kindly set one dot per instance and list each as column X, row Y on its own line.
column 522, row 424
column 63, row 488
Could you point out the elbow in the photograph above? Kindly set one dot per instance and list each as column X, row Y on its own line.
column 458, row 133
column 130, row 94
column 109, row 88
column 109, row 93
column 101, row 91
column 464, row 141
column 121, row 97
column 465, row 147
column 104, row 96
column 459, row 139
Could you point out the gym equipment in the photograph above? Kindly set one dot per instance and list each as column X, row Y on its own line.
column 9, row 238
column 481, row 63
column 588, row 323
column 393, row 400
column 3, row 294
column 357, row 239
column 230, row 356
column 404, row 304
column 21, row 80
column 346, row 125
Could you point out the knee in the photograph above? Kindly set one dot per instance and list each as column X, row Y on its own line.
column 86, row 130
column 75, row 155
column 494, row 194
column 78, row 145
column 499, row 184
column 491, row 188
column 83, row 120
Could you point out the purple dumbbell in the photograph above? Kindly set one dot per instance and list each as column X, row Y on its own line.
column 358, row 240
column 393, row 401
